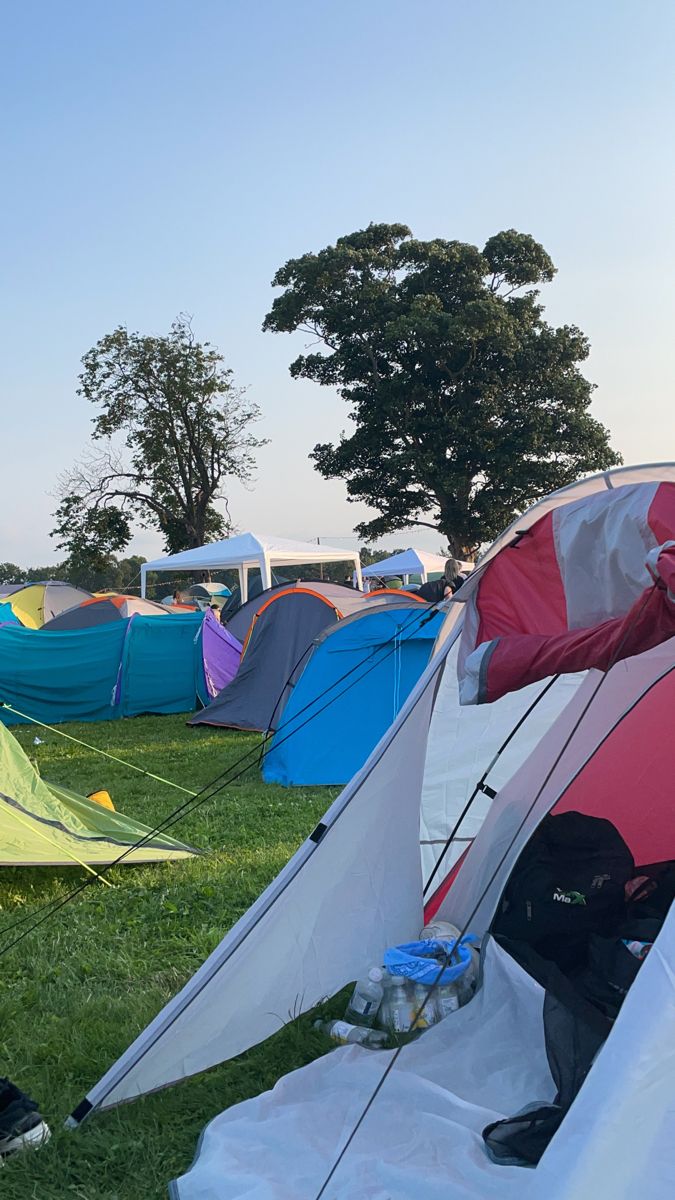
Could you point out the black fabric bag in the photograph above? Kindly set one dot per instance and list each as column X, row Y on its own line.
column 611, row 967
column 653, row 892
column 568, row 883
column 520, row 1140
column 574, row 1031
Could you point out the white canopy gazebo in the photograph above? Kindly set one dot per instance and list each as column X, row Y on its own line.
column 410, row 562
column 248, row 551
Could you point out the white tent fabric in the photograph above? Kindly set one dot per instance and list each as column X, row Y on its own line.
column 463, row 744
column 484, row 1063
column 410, row 562
column 422, row 1136
column 248, row 551
column 306, row 934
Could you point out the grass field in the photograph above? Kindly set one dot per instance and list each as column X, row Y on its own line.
column 78, row 990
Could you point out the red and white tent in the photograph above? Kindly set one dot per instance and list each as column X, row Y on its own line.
column 559, row 588
column 356, row 886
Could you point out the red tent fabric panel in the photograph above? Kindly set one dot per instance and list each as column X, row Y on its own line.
column 661, row 515
column 522, row 591
column 434, row 902
column 630, row 779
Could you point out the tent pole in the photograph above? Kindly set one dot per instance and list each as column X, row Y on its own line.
column 359, row 576
column 144, row 573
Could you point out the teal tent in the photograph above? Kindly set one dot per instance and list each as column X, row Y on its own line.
column 139, row 665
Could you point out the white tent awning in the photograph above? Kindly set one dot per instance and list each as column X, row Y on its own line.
column 410, row 562
column 251, row 550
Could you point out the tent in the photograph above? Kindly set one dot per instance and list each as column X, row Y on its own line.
column 221, row 654
column 606, row 752
column 206, row 591
column 36, row 603
column 7, row 614
column 366, row 667
column 119, row 669
column 251, row 551
column 255, row 589
column 239, row 621
column 284, row 624
column 44, row 824
column 99, row 610
column 410, row 562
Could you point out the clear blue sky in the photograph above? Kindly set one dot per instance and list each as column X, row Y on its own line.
column 160, row 157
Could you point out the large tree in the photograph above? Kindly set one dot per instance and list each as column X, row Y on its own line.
column 466, row 404
column 170, row 430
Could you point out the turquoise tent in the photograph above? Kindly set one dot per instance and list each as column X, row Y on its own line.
column 101, row 673
column 346, row 692
column 7, row 614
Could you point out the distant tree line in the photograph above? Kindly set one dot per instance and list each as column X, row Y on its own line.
column 111, row 574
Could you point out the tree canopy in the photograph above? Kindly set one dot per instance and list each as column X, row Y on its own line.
column 170, row 430
column 467, row 405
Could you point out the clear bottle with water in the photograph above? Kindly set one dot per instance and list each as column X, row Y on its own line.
column 344, row 1033
column 447, row 1000
column 397, row 1005
column 424, row 1012
column 366, row 999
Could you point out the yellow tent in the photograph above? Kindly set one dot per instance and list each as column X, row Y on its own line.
column 36, row 603
column 42, row 824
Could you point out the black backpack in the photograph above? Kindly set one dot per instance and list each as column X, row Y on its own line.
column 568, row 883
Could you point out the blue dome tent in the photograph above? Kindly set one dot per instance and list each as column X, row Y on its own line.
column 366, row 666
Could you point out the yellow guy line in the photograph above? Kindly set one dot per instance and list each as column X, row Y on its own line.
column 22, row 821
column 121, row 761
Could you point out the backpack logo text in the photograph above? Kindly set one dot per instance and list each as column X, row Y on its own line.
column 569, row 897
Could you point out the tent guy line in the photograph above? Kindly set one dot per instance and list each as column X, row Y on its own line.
column 16, row 816
column 198, row 798
column 95, row 749
column 493, row 876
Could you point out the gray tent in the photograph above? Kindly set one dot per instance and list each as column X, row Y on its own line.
column 283, row 623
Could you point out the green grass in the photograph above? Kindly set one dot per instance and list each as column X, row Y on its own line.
column 78, row 990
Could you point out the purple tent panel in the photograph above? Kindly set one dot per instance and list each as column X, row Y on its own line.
column 221, row 653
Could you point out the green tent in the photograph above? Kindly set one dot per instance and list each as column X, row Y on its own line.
column 42, row 824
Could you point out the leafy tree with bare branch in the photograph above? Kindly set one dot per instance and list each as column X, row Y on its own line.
column 171, row 429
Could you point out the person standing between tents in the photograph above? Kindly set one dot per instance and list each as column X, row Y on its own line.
column 439, row 589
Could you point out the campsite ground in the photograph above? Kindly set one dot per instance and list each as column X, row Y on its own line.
column 78, row 989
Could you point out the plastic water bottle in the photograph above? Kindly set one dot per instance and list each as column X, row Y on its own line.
column 345, row 1034
column 366, row 999
column 447, row 1000
column 424, row 1011
column 398, row 1005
